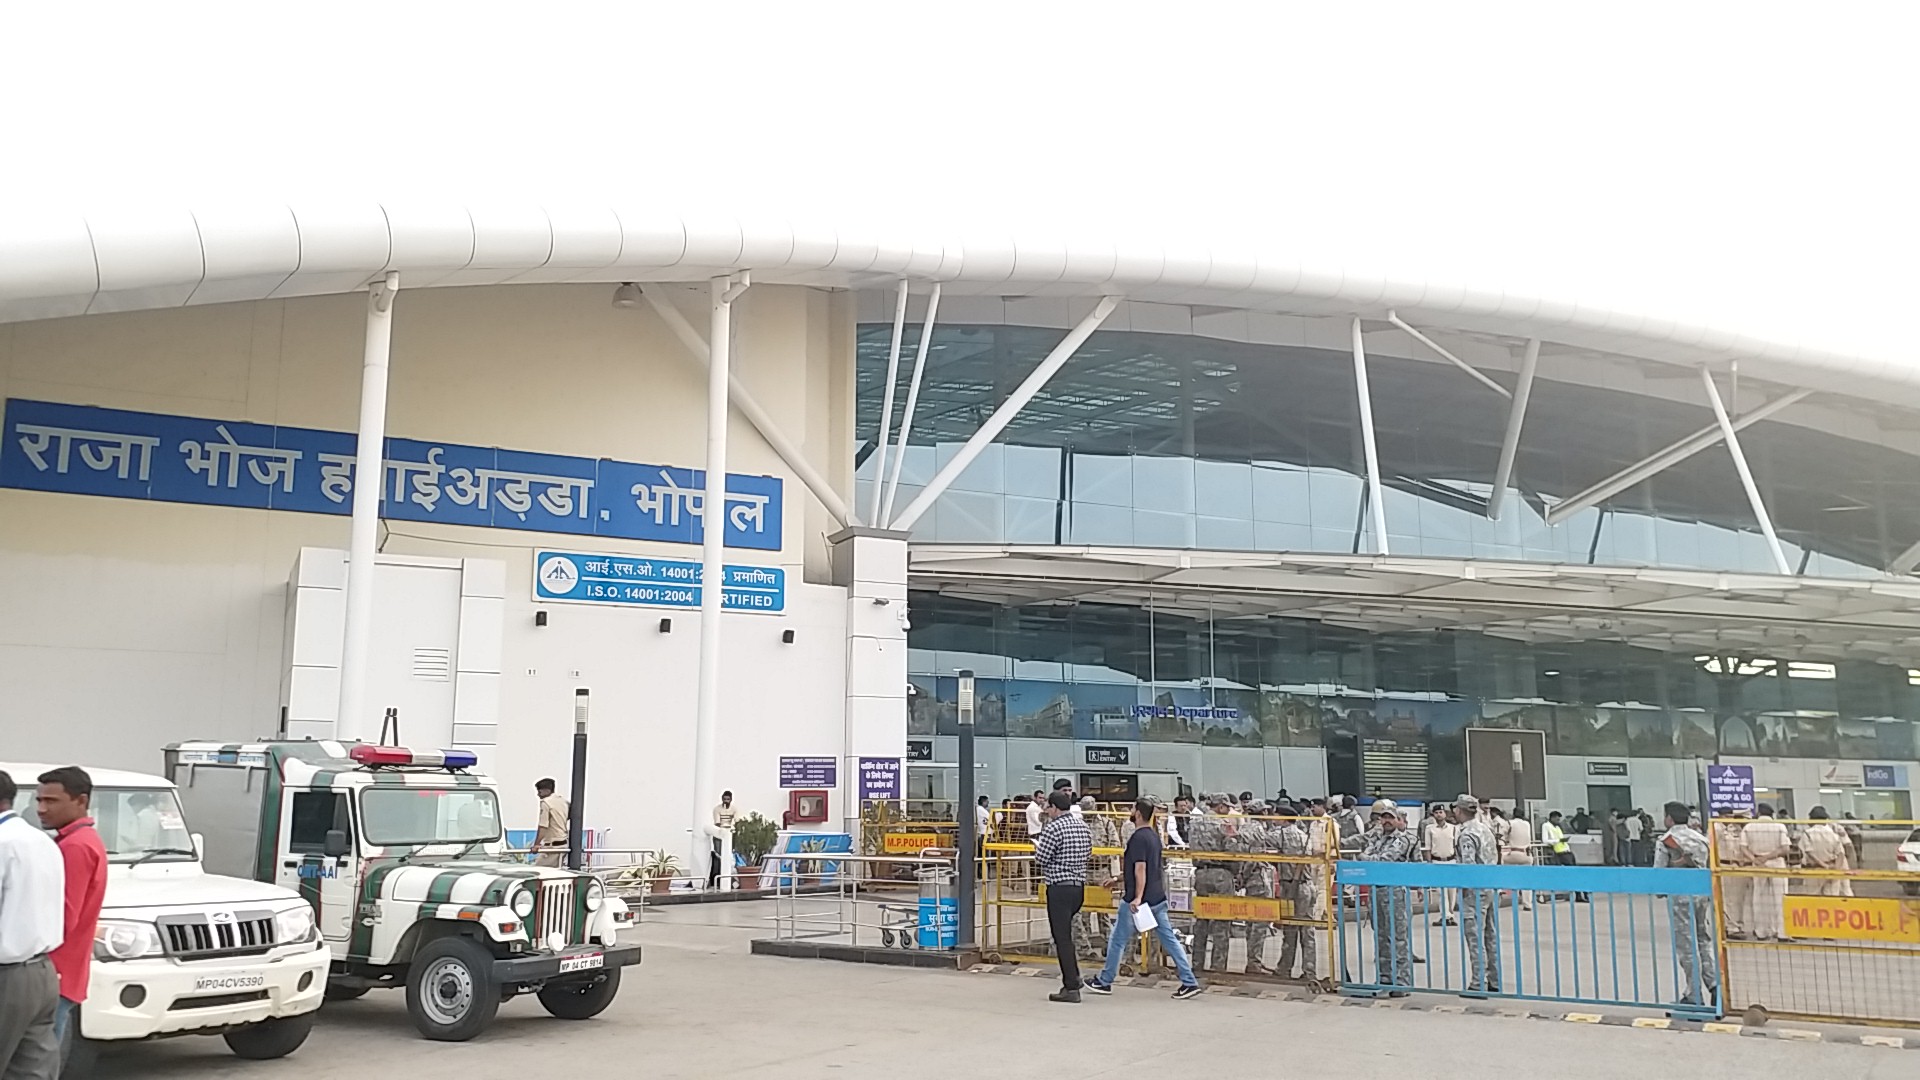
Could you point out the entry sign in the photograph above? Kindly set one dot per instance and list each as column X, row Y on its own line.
column 1106, row 755
column 879, row 778
column 1730, row 789
column 809, row 772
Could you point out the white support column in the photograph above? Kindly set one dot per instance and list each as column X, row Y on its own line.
column 1516, row 417
column 886, row 406
column 913, row 401
column 1665, row 459
column 1906, row 561
column 1375, row 501
column 713, row 539
column 1002, row 416
column 355, row 720
column 1732, row 438
column 1394, row 318
column 750, row 408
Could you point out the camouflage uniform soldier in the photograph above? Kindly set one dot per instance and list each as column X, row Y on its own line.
column 1300, row 883
column 1211, row 878
column 1479, row 908
column 1693, row 943
column 1391, row 841
column 1253, row 837
column 1091, row 928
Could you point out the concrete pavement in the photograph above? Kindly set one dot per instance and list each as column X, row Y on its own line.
column 702, row 1007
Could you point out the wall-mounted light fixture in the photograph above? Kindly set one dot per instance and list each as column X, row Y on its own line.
column 786, row 636
column 666, row 626
column 539, row 618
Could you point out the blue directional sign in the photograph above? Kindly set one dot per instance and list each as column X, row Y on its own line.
column 630, row 580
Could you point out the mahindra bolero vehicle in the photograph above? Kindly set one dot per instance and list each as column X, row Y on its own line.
column 401, row 855
column 179, row 950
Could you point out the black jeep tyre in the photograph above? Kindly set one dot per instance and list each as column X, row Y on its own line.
column 270, row 1039
column 581, row 1000
column 345, row 992
column 450, row 990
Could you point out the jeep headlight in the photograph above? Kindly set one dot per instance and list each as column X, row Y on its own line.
column 523, row 903
column 594, row 891
column 293, row 925
column 125, row 939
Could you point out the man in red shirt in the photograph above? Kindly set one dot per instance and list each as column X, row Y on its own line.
column 64, row 799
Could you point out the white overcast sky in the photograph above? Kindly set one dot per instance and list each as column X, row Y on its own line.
column 1746, row 165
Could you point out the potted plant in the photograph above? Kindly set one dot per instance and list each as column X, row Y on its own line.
column 660, row 872
column 753, row 838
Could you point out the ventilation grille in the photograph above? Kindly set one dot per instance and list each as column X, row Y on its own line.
column 433, row 665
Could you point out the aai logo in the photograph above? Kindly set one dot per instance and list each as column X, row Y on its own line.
column 558, row 575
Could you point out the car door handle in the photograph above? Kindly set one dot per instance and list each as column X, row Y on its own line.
column 291, row 864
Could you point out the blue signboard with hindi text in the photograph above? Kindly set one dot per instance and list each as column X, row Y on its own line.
column 628, row 579
column 81, row 450
column 1730, row 789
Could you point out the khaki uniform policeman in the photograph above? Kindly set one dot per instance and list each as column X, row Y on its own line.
column 1479, row 908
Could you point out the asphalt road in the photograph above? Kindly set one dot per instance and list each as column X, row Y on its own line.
column 702, row 1007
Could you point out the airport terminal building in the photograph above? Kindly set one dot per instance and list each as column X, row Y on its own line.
column 1194, row 518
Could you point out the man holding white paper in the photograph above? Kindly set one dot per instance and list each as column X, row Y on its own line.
column 1143, row 907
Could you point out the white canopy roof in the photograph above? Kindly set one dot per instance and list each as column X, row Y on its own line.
column 1689, row 611
column 53, row 265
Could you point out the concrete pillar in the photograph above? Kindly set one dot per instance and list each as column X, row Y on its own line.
column 871, row 564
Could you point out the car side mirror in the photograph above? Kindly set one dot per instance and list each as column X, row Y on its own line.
column 199, row 845
column 336, row 844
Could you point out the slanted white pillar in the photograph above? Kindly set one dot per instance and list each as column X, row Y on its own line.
column 713, row 539
column 1516, row 417
column 1732, row 439
column 1374, row 500
column 355, row 719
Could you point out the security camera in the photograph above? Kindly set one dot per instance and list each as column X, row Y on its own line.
column 627, row 295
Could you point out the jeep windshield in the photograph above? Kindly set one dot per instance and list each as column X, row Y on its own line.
column 393, row 816
column 143, row 824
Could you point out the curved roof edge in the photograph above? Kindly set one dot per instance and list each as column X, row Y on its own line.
column 53, row 266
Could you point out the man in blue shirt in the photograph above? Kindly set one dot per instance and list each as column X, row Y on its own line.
column 1143, row 881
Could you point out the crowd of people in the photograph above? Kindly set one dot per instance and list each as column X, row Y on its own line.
column 1066, row 831
column 52, row 880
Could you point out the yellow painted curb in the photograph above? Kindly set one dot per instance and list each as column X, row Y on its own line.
column 1895, row 1041
column 1798, row 1035
column 1721, row 1029
column 1582, row 1018
column 1660, row 1022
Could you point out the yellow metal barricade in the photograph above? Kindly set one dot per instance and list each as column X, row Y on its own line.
column 896, row 828
column 1261, row 902
column 1827, row 929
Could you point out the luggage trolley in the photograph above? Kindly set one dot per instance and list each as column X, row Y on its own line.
column 929, row 924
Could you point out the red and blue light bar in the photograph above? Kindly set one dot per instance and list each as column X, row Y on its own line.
column 375, row 756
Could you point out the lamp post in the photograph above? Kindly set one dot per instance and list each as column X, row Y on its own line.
column 969, row 840
column 1519, row 778
column 577, row 810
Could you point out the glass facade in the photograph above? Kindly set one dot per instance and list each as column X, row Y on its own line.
column 1178, row 441
column 1093, row 672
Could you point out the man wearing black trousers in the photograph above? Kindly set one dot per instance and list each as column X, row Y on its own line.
column 1061, row 852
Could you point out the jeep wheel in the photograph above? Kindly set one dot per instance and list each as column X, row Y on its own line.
column 450, row 991
column 270, row 1039
column 581, row 1000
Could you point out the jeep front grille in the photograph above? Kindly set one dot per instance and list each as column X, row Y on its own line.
column 553, row 914
column 199, row 936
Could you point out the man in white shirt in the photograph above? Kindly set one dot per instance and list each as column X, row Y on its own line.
column 33, row 884
column 1825, row 848
column 1515, row 850
column 1034, row 822
column 1178, row 821
column 1767, row 844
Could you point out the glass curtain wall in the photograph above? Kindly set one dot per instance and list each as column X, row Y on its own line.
column 1094, row 672
column 1167, row 440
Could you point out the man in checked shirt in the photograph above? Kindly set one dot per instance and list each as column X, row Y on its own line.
column 1061, row 852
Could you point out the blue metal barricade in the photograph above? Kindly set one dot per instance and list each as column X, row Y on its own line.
column 1640, row 938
